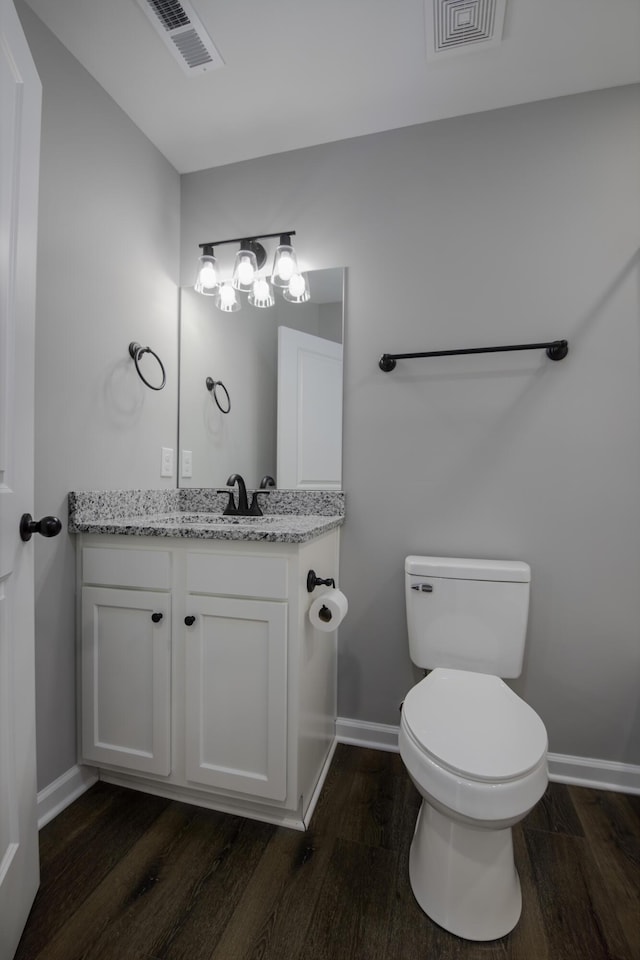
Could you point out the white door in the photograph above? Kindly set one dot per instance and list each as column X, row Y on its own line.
column 20, row 97
column 309, row 412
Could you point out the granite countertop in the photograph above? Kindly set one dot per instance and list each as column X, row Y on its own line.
column 290, row 516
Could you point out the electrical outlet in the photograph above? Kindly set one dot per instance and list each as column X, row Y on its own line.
column 166, row 463
column 186, row 469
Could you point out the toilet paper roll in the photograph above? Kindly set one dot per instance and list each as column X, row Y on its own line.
column 328, row 610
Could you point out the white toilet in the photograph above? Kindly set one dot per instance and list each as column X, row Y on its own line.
column 476, row 752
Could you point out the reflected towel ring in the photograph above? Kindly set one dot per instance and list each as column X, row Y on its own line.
column 211, row 386
column 136, row 352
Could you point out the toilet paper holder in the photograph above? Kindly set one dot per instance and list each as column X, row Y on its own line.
column 313, row 581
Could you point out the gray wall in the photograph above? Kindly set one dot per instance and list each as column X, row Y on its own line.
column 108, row 252
column 511, row 226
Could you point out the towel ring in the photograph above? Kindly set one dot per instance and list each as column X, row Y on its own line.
column 212, row 386
column 137, row 352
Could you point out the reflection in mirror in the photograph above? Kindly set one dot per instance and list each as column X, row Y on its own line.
column 282, row 370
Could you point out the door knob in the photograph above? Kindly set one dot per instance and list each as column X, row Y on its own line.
column 156, row 617
column 189, row 621
column 47, row 527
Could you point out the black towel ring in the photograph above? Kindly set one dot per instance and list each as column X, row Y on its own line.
column 212, row 387
column 137, row 352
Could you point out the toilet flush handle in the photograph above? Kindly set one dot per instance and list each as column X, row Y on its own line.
column 422, row 587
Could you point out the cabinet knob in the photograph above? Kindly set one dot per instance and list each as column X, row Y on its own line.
column 156, row 617
column 189, row 621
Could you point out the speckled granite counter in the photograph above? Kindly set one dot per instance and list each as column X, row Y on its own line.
column 290, row 516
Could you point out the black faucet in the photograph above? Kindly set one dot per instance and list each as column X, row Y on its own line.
column 242, row 509
column 267, row 482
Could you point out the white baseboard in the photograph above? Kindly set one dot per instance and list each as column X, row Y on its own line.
column 588, row 772
column 578, row 771
column 57, row 795
column 361, row 733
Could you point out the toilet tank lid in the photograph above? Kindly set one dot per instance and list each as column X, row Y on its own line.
column 455, row 568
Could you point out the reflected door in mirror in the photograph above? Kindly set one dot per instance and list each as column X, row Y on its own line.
column 309, row 411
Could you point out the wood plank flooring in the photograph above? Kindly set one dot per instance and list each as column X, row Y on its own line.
column 127, row 876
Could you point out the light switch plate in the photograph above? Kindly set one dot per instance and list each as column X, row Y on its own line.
column 186, row 469
column 166, row 462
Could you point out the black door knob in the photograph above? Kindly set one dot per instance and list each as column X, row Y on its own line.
column 156, row 617
column 189, row 620
column 47, row 527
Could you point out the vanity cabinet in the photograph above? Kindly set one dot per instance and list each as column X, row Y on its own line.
column 201, row 677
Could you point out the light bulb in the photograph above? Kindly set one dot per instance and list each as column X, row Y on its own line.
column 261, row 293
column 296, row 285
column 285, row 262
column 226, row 298
column 297, row 290
column 206, row 276
column 285, row 267
column 227, row 295
column 245, row 271
column 245, row 268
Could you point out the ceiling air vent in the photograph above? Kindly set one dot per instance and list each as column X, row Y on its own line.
column 184, row 34
column 456, row 26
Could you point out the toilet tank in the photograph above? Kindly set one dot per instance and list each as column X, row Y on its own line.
column 467, row 614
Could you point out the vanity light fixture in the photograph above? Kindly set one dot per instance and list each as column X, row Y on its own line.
column 249, row 260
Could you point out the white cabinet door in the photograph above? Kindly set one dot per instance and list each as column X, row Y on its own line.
column 236, row 695
column 126, row 678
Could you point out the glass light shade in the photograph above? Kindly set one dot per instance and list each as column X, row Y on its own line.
column 285, row 265
column 261, row 293
column 297, row 290
column 227, row 298
column 244, row 270
column 206, row 275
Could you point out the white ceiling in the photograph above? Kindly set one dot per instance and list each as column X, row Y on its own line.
column 303, row 72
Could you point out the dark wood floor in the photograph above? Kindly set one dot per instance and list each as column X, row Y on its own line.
column 127, row 876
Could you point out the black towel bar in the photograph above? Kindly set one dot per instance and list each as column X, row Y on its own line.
column 556, row 350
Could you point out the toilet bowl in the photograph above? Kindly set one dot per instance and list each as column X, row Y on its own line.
column 476, row 753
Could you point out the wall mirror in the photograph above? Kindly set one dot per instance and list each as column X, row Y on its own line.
column 279, row 371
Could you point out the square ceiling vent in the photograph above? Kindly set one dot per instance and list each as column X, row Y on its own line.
column 458, row 26
column 183, row 33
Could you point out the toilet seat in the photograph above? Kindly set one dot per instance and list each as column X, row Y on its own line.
column 474, row 726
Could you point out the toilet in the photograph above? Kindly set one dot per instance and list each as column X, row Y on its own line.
column 475, row 751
